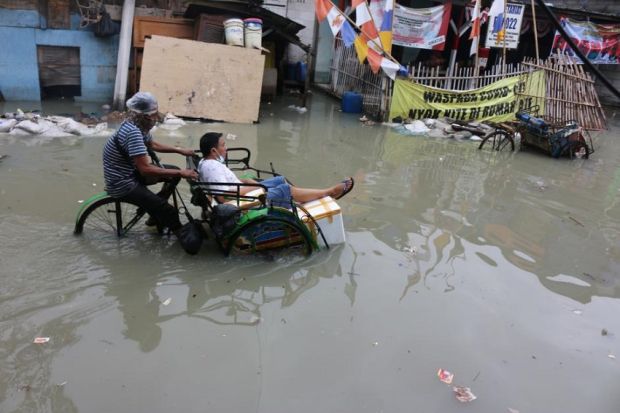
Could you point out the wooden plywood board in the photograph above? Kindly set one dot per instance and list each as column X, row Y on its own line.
column 147, row 26
column 203, row 80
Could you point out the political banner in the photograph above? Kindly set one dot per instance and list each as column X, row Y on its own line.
column 600, row 43
column 511, row 27
column 497, row 102
column 422, row 28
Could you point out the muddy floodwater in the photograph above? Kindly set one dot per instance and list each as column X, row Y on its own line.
column 503, row 269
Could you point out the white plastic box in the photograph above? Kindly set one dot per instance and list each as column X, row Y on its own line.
column 326, row 212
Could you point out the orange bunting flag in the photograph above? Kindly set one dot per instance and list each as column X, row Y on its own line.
column 374, row 60
column 322, row 8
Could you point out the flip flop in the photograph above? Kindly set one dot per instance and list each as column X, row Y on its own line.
column 347, row 190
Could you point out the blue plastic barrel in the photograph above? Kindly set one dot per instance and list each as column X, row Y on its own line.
column 290, row 71
column 351, row 102
column 300, row 72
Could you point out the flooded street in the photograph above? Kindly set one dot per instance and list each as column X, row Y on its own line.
column 502, row 269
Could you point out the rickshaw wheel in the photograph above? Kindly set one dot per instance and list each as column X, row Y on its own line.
column 268, row 234
column 500, row 141
column 108, row 216
column 577, row 149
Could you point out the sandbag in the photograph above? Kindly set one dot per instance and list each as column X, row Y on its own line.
column 7, row 124
column 190, row 237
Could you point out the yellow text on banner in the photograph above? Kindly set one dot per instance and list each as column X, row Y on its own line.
column 497, row 102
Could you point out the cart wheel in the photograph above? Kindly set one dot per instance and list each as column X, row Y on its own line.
column 577, row 149
column 269, row 233
column 500, row 141
column 108, row 216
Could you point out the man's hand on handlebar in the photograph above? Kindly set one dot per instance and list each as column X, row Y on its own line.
column 189, row 174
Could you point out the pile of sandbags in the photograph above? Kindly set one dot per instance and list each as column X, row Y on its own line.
column 26, row 124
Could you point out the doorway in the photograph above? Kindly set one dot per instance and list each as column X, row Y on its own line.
column 59, row 72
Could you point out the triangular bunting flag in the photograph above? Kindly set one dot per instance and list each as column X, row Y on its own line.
column 390, row 68
column 322, row 8
column 374, row 60
column 335, row 20
column 361, row 47
column 348, row 34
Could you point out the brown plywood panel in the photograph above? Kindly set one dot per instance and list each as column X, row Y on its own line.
column 203, row 80
column 58, row 14
column 162, row 26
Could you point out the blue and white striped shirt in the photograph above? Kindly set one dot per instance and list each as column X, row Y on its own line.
column 119, row 172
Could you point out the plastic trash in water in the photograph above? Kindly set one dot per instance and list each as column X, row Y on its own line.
column 445, row 376
column 41, row 340
column 463, row 394
column 167, row 301
column 299, row 109
column 417, row 127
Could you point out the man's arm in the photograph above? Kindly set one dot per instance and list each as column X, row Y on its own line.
column 163, row 148
column 146, row 168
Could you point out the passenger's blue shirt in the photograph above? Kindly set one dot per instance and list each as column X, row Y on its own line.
column 119, row 172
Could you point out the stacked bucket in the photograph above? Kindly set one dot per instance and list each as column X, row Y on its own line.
column 247, row 32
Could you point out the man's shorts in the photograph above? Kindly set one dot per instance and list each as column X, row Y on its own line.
column 278, row 191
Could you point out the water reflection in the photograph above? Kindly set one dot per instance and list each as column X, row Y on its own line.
column 521, row 203
column 222, row 291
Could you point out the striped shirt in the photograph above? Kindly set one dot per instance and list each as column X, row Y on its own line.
column 119, row 171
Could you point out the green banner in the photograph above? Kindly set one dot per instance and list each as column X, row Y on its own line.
column 497, row 102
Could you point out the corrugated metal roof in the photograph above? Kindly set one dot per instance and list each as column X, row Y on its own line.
column 282, row 26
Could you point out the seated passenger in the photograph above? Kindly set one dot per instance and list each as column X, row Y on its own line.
column 212, row 168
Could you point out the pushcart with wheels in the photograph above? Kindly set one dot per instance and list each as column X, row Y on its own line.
column 556, row 138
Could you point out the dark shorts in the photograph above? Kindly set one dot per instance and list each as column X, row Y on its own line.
column 278, row 191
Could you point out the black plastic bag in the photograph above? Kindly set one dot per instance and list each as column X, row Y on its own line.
column 190, row 237
column 106, row 27
column 225, row 218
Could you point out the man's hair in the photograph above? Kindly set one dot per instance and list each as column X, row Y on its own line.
column 209, row 141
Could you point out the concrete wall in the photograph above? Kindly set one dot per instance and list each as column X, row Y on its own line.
column 301, row 11
column 21, row 31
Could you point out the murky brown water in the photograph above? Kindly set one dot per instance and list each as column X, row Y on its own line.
column 501, row 269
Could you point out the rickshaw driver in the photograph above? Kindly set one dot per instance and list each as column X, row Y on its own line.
column 127, row 168
column 212, row 168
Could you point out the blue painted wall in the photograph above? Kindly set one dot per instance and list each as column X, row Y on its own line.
column 21, row 31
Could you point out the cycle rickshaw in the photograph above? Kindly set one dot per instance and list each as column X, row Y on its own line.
column 556, row 138
column 244, row 224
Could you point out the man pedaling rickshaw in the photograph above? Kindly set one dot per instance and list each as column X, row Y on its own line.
column 127, row 166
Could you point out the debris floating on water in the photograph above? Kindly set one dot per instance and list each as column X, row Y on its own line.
column 604, row 332
column 167, row 301
column 41, row 340
column 578, row 312
column 445, row 376
column 299, row 109
column 463, row 394
column 611, row 356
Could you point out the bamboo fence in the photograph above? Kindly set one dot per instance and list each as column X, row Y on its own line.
column 569, row 91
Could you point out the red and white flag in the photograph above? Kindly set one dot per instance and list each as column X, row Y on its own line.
column 474, row 36
column 335, row 20
column 363, row 19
